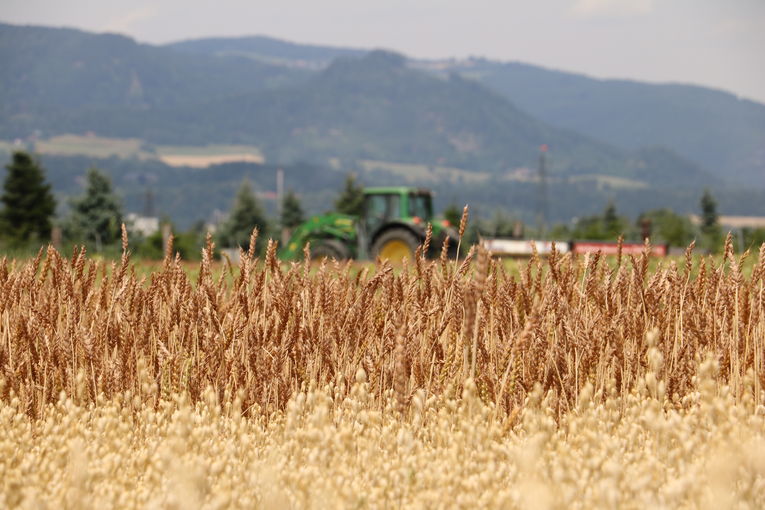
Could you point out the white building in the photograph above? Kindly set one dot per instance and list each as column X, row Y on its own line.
column 144, row 225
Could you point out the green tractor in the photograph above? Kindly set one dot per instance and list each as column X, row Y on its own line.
column 393, row 223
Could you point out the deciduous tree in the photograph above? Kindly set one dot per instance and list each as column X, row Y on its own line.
column 669, row 227
column 453, row 214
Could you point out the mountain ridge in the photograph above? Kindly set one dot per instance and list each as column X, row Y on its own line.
column 712, row 127
column 263, row 47
column 377, row 113
column 349, row 110
column 372, row 107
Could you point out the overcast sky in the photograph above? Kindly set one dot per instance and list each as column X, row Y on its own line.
column 717, row 43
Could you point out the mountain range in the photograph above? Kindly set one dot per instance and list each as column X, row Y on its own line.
column 471, row 123
column 713, row 128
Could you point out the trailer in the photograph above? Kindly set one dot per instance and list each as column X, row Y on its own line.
column 499, row 247
column 503, row 247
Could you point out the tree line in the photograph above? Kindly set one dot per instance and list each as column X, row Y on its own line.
column 94, row 219
column 662, row 225
column 27, row 218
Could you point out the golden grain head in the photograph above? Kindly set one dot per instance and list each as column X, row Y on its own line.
column 583, row 383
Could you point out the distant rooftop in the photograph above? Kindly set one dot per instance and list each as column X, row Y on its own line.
column 735, row 221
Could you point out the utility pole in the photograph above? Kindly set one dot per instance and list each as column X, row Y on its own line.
column 542, row 205
column 148, row 204
column 279, row 190
column 280, row 204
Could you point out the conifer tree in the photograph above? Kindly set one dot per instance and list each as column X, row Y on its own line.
column 292, row 212
column 351, row 199
column 246, row 214
column 28, row 203
column 612, row 224
column 96, row 216
column 710, row 225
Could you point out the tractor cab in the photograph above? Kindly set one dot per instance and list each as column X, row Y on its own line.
column 400, row 204
column 394, row 222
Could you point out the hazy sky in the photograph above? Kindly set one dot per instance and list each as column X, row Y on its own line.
column 717, row 43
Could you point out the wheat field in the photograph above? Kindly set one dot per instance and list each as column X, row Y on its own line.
column 576, row 383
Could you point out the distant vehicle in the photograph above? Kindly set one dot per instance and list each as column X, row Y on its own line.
column 393, row 224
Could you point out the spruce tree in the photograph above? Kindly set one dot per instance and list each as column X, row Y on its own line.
column 28, row 204
column 292, row 212
column 351, row 199
column 612, row 224
column 96, row 216
column 245, row 215
column 710, row 225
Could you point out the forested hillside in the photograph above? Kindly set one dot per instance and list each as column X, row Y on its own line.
column 53, row 80
column 713, row 128
column 469, row 129
column 373, row 107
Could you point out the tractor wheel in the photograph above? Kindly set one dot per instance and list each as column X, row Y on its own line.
column 329, row 248
column 395, row 244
